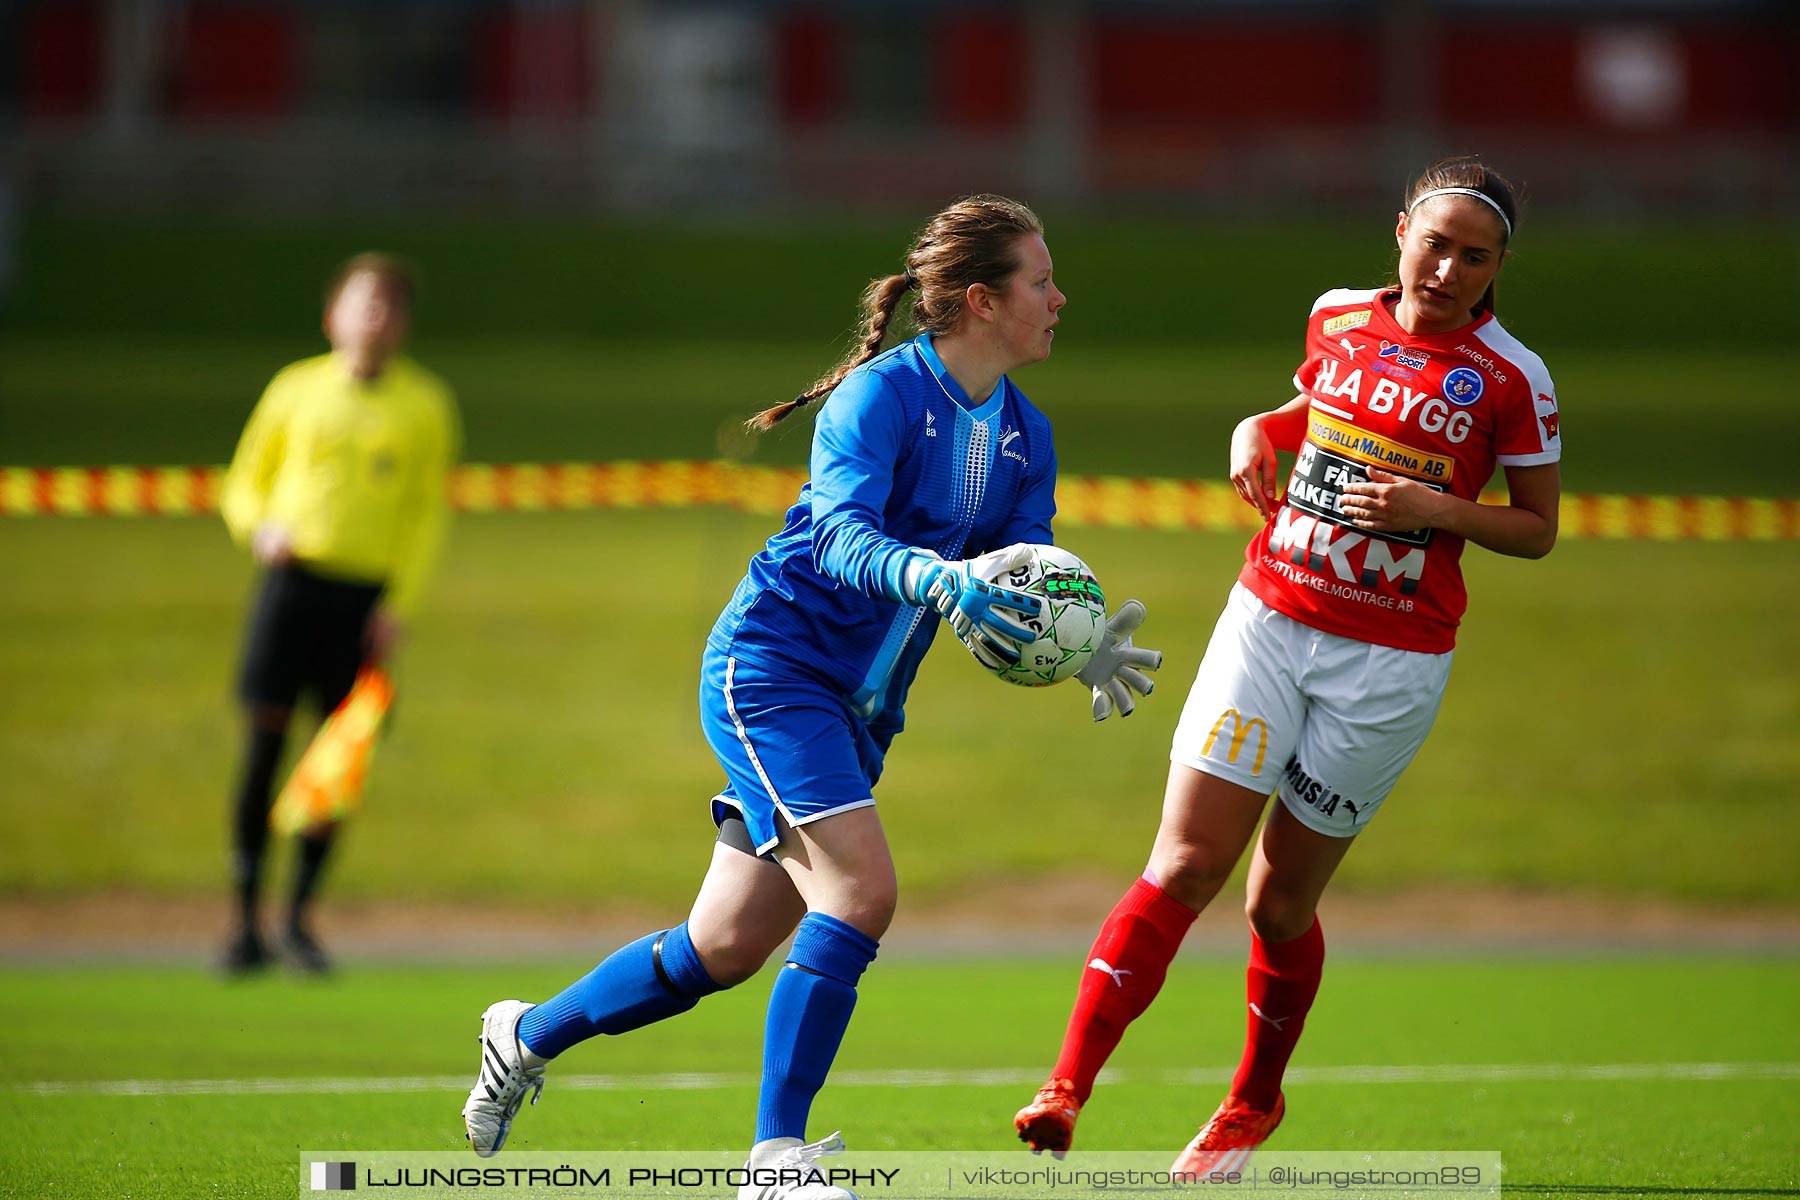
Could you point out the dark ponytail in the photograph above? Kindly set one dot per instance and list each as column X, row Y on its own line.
column 974, row 240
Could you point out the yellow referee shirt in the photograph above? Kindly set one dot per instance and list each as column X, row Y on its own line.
column 356, row 470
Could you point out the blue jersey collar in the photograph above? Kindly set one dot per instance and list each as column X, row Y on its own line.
column 953, row 389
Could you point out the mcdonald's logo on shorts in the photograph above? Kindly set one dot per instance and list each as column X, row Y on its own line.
column 1240, row 731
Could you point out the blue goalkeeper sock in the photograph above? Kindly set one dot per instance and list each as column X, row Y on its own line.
column 657, row 976
column 808, row 1013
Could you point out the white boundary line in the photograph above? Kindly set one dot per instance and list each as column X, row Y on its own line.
column 1003, row 1077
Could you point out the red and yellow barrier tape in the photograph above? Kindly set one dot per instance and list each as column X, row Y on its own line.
column 1111, row 501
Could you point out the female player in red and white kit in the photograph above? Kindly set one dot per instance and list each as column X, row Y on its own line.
column 1328, row 664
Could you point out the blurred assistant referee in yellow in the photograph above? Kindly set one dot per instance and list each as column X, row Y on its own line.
column 338, row 490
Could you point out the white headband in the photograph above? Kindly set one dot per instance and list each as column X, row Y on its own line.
column 1462, row 191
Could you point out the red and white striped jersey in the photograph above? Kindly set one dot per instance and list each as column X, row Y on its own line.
column 1444, row 409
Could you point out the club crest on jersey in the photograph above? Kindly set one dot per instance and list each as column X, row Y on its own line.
column 1463, row 386
column 1006, row 451
column 1418, row 360
column 1344, row 322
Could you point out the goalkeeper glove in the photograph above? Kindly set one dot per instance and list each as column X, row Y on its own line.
column 1117, row 668
column 975, row 608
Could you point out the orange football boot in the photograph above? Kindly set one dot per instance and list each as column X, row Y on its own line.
column 1225, row 1142
column 1048, row 1122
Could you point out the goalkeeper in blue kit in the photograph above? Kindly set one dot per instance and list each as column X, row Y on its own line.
column 931, row 472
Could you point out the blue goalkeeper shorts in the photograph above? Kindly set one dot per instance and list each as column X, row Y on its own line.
column 793, row 749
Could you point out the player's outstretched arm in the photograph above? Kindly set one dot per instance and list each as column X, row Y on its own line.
column 1118, row 667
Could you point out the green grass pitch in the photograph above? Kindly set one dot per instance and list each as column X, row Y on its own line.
column 1619, row 721
column 1611, row 1077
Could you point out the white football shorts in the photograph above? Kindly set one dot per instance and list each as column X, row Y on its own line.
column 1326, row 722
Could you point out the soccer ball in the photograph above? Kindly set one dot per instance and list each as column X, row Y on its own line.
column 1072, row 622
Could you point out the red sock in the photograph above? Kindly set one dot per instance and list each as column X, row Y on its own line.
column 1125, row 970
column 1282, row 980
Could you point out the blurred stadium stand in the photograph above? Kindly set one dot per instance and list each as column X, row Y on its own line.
column 1612, row 107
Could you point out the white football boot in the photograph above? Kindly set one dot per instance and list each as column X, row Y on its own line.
column 500, row 1089
column 794, row 1158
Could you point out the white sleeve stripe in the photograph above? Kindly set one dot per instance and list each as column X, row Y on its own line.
column 1537, row 378
column 1339, row 296
column 1497, row 339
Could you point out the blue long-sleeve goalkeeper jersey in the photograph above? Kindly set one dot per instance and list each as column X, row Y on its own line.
column 901, row 457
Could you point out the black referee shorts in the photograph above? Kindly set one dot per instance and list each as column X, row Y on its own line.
column 306, row 636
